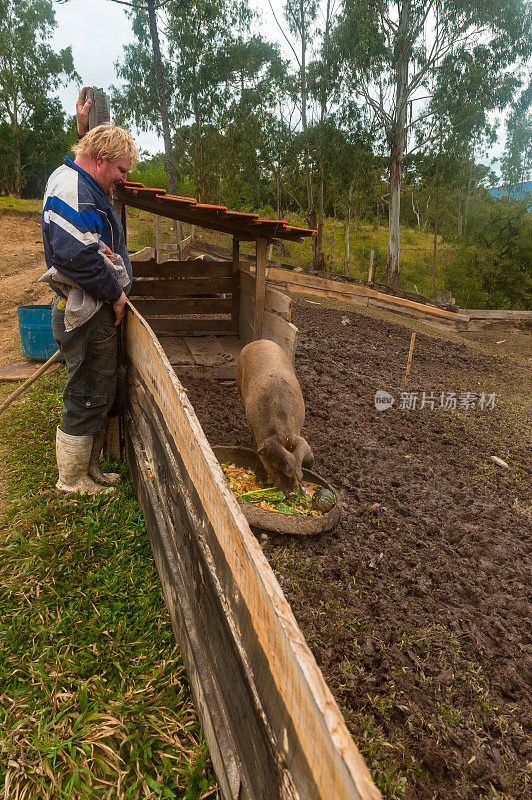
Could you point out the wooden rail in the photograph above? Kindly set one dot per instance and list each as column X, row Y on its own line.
column 272, row 725
column 360, row 295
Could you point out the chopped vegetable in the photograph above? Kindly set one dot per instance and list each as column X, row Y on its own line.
column 244, row 485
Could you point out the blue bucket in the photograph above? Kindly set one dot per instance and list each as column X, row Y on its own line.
column 35, row 325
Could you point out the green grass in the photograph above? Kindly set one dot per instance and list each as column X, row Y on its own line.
column 416, row 245
column 416, row 248
column 94, row 701
column 16, row 205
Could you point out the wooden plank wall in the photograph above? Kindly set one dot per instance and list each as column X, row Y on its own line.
column 276, row 324
column 273, row 728
column 198, row 290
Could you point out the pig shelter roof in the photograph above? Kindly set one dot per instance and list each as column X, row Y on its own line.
column 218, row 218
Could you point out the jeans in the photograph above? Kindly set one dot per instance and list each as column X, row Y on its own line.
column 90, row 353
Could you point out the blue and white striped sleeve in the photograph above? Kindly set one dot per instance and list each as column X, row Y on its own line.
column 71, row 237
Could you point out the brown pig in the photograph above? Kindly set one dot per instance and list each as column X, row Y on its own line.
column 275, row 412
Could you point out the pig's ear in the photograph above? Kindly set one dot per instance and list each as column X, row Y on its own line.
column 304, row 453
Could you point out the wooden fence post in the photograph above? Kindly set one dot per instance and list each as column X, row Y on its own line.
column 410, row 354
column 157, row 241
column 260, row 286
column 235, row 288
column 370, row 273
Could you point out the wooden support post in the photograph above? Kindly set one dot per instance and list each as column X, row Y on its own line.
column 112, row 444
column 410, row 354
column 13, row 396
column 370, row 273
column 121, row 209
column 157, row 240
column 178, row 236
column 270, row 251
column 235, row 288
column 123, row 219
column 260, row 286
column 100, row 111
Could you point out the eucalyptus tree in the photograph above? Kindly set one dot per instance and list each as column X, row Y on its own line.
column 200, row 37
column 196, row 67
column 30, row 70
column 395, row 52
column 301, row 17
column 260, row 84
column 325, row 88
column 516, row 163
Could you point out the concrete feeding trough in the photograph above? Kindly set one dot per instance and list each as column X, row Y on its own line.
column 277, row 521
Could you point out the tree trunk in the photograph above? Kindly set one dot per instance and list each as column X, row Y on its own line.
column 435, row 243
column 468, row 195
column 169, row 158
column 199, row 155
column 397, row 144
column 17, row 183
column 168, row 153
column 392, row 266
column 304, row 124
column 332, row 239
column 319, row 258
column 17, row 160
column 347, row 226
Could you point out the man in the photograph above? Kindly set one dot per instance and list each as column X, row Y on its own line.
column 89, row 268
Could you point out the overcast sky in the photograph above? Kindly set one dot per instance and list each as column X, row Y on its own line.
column 98, row 31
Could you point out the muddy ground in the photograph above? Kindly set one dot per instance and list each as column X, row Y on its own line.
column 417, row 607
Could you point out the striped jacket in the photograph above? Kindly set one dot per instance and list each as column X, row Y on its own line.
column 76, row 217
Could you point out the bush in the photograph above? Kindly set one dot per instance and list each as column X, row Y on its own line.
column 150, row 174
column 492, row 266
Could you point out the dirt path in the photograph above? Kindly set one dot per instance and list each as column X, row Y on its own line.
column 416, row 605
column 21, row 264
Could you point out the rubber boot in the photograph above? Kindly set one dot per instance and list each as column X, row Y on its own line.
column 107, row 478
column 73, row 456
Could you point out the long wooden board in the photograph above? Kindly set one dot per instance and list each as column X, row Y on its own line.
column 281, row 332
column 330, row 288
column 196, row 305
column 498, row 314
column 179, row 287
column 162, row 325
column 182, row 269
column 272, row 725
column 246, row 315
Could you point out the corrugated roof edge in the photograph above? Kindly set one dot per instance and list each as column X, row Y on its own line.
column 280, row 225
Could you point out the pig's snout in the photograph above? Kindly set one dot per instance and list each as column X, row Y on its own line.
column 281, row 465
column 290, row 485
column 290, row 494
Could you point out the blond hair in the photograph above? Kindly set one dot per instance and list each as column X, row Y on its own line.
column 114, row 143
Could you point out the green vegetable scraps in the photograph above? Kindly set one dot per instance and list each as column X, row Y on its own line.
column 243, row 484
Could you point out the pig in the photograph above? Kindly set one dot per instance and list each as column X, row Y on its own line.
column 275, row 412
